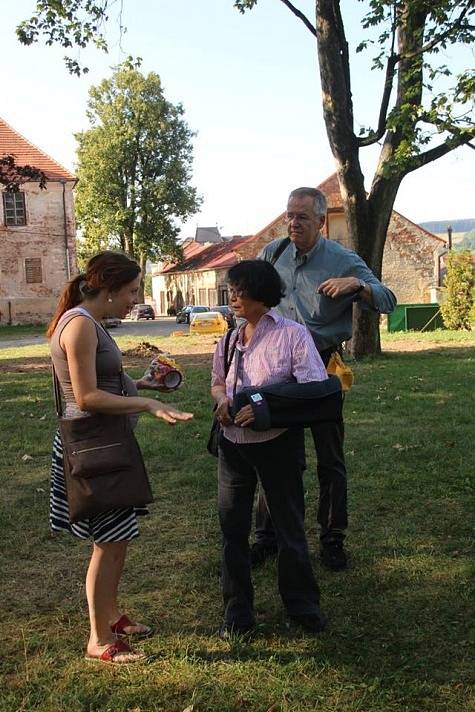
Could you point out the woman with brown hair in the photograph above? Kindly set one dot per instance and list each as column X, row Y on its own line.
column 88, row 365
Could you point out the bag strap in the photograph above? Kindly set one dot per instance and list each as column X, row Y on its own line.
column 228, row 357
column 57, row 392
column 283, row 244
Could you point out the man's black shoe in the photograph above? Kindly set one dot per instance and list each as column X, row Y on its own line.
column 260, row 552
column 333, row 555
column 310, row 623
column 230, row 630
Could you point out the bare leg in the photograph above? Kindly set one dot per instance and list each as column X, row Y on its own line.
column 102, row 581
column 136, row 628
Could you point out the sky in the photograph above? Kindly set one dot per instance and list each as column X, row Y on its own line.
column 250, row 88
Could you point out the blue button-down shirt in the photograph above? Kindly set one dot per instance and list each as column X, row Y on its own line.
column 329, row 320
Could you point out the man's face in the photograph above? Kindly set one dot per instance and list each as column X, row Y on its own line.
column 303, row 225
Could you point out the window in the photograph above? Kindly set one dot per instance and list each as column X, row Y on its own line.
column 223, row 294
column 33, row 270
column 202, row 296
column 14, row 208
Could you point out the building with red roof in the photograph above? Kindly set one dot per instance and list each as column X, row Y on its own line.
column 37, row 234
column 411, row 263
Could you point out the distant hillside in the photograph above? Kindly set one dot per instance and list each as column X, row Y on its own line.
column 440, row 226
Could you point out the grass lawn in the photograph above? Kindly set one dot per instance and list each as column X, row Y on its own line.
column 21, row 331
column 401, row 618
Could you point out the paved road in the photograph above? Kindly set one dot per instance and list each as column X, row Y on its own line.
column 162, row 326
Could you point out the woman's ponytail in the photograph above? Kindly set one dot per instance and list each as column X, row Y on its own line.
column 70, row 297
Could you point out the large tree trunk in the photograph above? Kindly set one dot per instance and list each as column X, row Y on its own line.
column 371, row 239
column 367, row 217
column 338, row 113
column 143, row 267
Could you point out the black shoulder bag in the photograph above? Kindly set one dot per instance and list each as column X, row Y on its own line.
column 215, row 432
column 103, row 465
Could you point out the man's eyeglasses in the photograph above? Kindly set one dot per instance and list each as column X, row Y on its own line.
column 300, row 217
column 235, row 293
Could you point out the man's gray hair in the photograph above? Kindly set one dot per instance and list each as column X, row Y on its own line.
column 319, row 200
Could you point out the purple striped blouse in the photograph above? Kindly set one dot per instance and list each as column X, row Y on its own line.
column 280, row 351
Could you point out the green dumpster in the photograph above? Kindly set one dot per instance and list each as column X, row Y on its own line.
column 415, row 317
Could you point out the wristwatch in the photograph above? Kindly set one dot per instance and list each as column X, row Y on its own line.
column 360, row 287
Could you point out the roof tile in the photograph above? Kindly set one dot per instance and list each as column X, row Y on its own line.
column 26, row 154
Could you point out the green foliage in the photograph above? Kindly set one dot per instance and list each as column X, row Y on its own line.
column 67, row 23
column 134, row 167
column 459, row 283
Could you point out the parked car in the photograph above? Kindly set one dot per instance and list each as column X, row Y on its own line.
column 228, row 314
column 111, row 322
column 210, row 322
column 184, row 316
column 142, row 311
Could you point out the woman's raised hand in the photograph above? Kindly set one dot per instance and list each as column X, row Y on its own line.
column 167, row 412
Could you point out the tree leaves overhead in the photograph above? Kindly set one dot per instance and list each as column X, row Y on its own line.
column 68, row 23
column 12, row 176
column 134, row 167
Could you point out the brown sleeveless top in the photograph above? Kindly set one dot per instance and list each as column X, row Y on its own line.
column 108, row 363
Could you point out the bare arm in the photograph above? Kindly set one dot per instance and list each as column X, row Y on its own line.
column 79, row 341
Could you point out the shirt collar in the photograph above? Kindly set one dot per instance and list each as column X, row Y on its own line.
column 305, row 257
column 272, row 314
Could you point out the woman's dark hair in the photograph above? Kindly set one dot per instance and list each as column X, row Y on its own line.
column 106, row 270
column 258, row 280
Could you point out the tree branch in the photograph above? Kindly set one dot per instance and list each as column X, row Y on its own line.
column 433, row 154
column 375, row 136
column 440, row 38
column 301, row 16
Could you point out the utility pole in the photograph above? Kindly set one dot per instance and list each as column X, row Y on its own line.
column 449, row 235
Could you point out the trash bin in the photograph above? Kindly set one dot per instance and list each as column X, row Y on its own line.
column 415, row 317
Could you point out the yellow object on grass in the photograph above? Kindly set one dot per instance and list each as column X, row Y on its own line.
column 337, row 367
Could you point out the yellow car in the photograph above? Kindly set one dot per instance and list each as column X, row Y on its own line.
column 208, row 323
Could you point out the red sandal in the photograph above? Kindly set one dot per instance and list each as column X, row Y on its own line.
column 124, row 622
column 108, row 656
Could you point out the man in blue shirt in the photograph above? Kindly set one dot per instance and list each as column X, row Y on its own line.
column 322, row 280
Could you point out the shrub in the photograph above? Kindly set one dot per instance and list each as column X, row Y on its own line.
column 458, row 295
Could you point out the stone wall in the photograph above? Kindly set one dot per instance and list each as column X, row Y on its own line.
column 43, row 238
column 410, row 261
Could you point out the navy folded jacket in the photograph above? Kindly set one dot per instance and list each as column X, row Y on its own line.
column 287, row 405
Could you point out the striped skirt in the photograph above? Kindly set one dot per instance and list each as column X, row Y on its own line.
column 113, row 525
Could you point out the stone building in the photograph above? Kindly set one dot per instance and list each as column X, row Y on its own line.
column 200, row 278
column 411, row 262
column 37, row 235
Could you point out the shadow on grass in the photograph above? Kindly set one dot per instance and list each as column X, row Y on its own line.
column 398, row 618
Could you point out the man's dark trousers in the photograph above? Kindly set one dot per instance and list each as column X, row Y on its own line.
column 276, row 466
column 332, row 517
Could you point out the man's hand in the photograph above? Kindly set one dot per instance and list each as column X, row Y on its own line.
column 339, row 286
column 222, row 411
column 245, row 417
